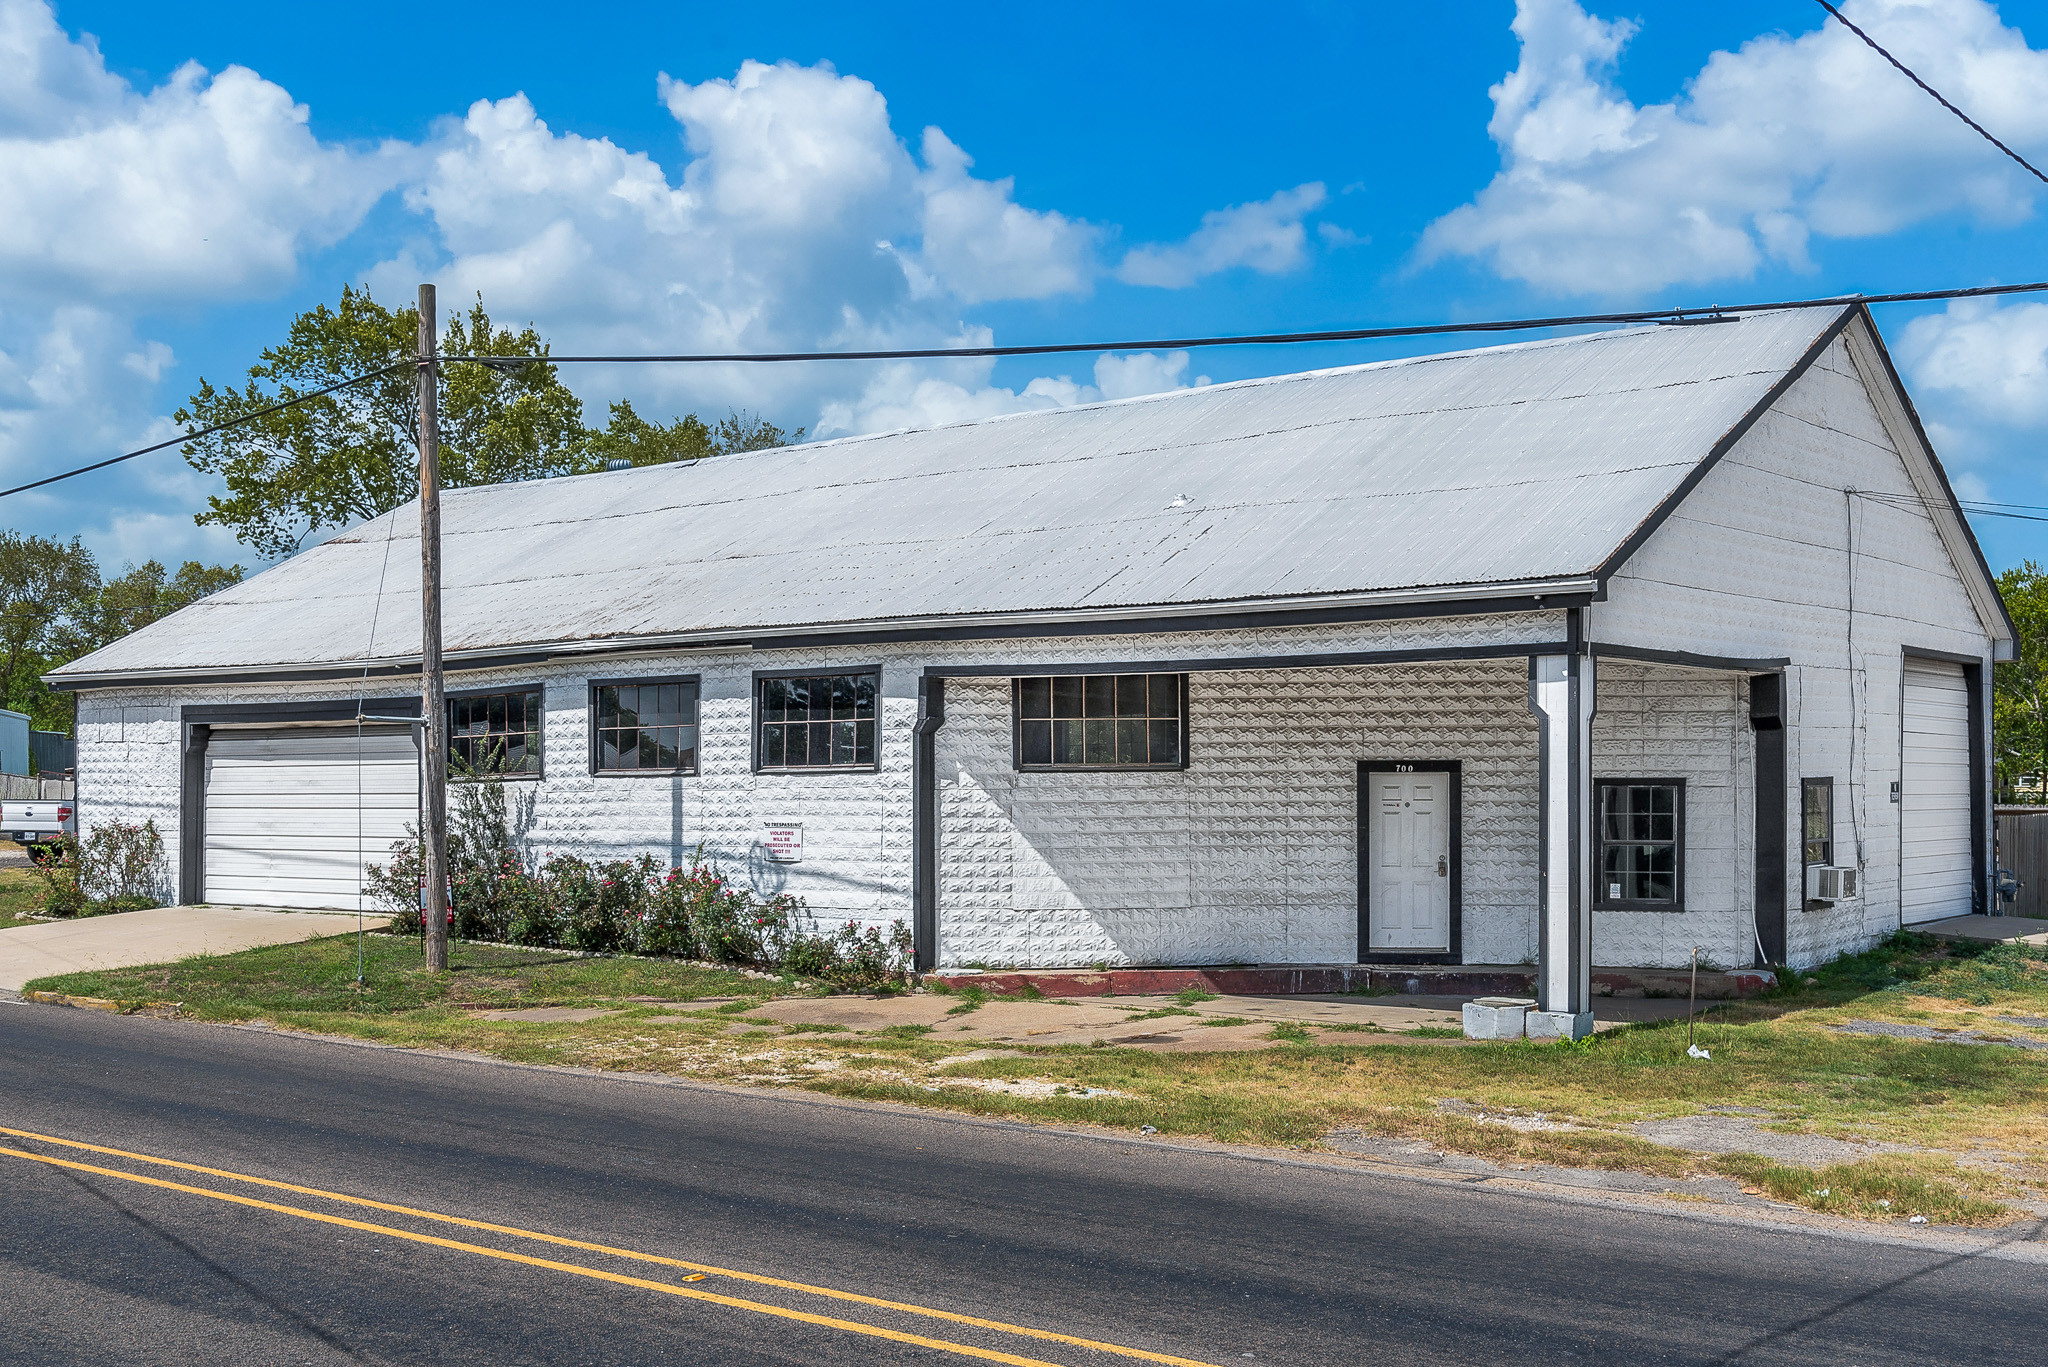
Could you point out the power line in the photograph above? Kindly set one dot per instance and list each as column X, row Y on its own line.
column 1711, row 312
column 1707, row 314
column 250, row 416
column 1982, row 132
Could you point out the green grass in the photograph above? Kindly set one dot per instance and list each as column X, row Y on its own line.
column 1779, row 1055
column 19, row 890
column 319, row 977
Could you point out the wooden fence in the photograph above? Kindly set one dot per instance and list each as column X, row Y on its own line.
column 2023, row 848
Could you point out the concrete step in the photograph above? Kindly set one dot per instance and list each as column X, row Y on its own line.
column 1438, row 980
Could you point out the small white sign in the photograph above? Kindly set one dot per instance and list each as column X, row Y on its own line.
column 786, row 843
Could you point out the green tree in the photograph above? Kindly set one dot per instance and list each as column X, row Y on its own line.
column 144, row 593
column 2019, row 708
column 346, row 456
column 47, row 592
column 629, row 437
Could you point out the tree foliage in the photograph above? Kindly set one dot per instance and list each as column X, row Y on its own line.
column 2020, row 690
column 629, row 437
column 54, row 607
column 341, row 458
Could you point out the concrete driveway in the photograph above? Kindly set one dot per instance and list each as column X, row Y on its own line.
column 153, row 937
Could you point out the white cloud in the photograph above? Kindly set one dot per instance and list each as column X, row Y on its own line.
column 207, row 184
column 1986, row 363
column 903, row 395
column 1266, row 236
column 1781, row 141
column 800, row 221
column 979, row 243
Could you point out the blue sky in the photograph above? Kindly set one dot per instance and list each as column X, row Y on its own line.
column 185, row 179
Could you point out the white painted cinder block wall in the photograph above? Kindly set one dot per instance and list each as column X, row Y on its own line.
column 1250, row 853
column 1757, row 562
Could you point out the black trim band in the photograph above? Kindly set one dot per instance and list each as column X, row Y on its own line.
column 1222, row 664
column 1733, row 663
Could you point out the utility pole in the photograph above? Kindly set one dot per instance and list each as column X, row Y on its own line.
column 433, row 698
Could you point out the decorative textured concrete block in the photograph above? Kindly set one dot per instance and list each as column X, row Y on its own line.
column 1558, row 1024
column 1496, row 1017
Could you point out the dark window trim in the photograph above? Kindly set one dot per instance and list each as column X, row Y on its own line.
column 640, row 681
column 539, row 690
column 1806, row 782
column 1017, row 764
column 814, row 672
column 1456, row 933
column 1601, row 902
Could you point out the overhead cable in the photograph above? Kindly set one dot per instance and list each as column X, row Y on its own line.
column 1982, row 132
column 1710, row 313
column 1716, row 313
column 250, row 416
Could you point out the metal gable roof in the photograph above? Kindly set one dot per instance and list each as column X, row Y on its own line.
column 1517, row 465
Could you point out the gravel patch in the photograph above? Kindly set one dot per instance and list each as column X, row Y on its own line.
column 1894, row 1030
column 1740, row 1134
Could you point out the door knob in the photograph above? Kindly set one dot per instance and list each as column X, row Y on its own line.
column 1443, row 865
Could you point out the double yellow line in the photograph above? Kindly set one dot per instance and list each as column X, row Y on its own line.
column 667, row 1288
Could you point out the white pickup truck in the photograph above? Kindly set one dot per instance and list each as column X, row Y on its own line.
column 34, row 822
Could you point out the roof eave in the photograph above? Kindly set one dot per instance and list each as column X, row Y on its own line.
column 1306, row 610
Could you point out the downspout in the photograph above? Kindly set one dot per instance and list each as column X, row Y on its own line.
column 924, row 808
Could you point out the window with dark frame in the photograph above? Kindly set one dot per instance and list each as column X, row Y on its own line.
column 1641, row 834
column 646, row 726
column 494, row 733
column 1101, row 721
column 1817, row 820
column 816, row 721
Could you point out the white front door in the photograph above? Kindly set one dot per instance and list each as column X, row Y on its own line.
column 1408, row 843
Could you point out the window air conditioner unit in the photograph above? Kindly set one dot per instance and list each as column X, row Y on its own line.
column 1831, row 883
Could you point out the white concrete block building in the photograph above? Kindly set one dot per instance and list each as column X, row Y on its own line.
column 1584, row 651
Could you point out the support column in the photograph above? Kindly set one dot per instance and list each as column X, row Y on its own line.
column 924, row 807
column 1561, row 689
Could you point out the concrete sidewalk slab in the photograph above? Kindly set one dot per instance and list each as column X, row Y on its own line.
column 2026, row 930
column 163, row 934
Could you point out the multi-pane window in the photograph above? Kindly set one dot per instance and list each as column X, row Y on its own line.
column 494, row 733
column 645, row 726
column 1641, row 832
column 1102, row 721
column 817, row 721
column 1817, row 820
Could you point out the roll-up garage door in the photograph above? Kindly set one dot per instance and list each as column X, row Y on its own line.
column 294, row 813
column 1934, row 795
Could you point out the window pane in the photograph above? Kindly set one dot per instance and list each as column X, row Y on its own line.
column 649, row 751
column 1034, row 697
column 690, row 704
column 842, row 740
column 1165, row 742
column 1130, row 695
column 864, row 742
column 1101, row 741
column 842, row 698
column 772, row 747
column 1066, row 696
column 1130, row 740
column 607, row 707
column 797, row 738
column 1034, row 742
column 686, row 745
column 774, row 696
column 1066, row 742
column 864, row 695
column 1098, row 695
column 1165, row 691
column 799, row 706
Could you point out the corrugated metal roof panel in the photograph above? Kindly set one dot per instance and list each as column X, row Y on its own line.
column 1504, row 465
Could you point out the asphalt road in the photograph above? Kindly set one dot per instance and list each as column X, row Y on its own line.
column 1192, row 1254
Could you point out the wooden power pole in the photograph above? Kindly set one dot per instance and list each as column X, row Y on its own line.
column 433, row 697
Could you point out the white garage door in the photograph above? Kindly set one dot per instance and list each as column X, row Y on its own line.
column 283, row 806
column 1934, row 795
